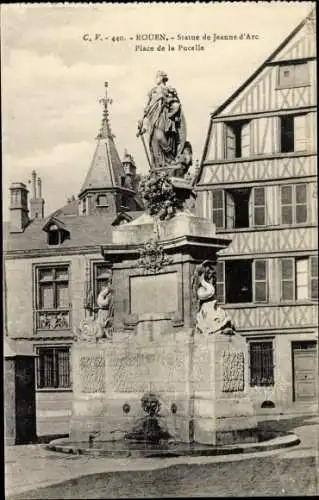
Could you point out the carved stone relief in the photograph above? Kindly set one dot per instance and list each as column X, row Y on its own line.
column 92, row 374
column 233, row 371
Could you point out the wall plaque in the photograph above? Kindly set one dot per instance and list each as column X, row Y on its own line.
column 154, row 294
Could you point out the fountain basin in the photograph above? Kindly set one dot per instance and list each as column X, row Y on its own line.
column 265, row 441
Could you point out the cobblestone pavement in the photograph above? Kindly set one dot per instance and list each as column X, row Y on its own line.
column 32, row 466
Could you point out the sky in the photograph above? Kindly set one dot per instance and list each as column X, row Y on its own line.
column 52, row 79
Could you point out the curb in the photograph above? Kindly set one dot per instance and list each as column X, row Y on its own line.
column 277, row 442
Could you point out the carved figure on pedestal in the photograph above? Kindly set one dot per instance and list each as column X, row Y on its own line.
column 100, row 327
column 210, row 318
column 168, row 185
column 166, row 123
column 105, row 313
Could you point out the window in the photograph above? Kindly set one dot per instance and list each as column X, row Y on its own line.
column 314, row 277
column 240, row 281
column 218, row 208
column 102, row 277
column 56, row 235
column 53, row 302
column 299, row 278
column 237, row 139
column 220, row 282
column 287, row 279
column 259, row 204
column 260, row 281
column 293, row 133
column 293, row 75
column 237, row 208
column 53, row 236
column 261, row 364
column 101, row 200
column 230, row 208
column 294, row 201
column 53, row 368
column 238, row 275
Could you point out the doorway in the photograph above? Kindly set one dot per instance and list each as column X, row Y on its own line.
column 304, row 369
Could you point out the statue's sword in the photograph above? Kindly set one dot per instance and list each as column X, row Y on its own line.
column 139, row 134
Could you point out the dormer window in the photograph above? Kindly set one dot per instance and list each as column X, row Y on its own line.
column 54, row 235
column 56, row 232
column 101, row 200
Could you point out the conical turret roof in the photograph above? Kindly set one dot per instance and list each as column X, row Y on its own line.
column 106, row 167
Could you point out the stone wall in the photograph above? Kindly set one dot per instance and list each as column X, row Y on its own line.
column 201, row 383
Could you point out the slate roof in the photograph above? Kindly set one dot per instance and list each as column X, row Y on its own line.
column 71, row 208
column 90, row 230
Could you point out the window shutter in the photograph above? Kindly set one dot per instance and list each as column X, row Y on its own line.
column 245, row 140
column 314, row 277
column 218, row 208
column 220, row 281
column 259, row 206
column 230, row 211
column 302, row 274
column 251, row 208
column 287, row 279
column 230, row 142
column 301, row 74
column 300, row 133
column 286, row 204
column 301, row 203
column 260, row 281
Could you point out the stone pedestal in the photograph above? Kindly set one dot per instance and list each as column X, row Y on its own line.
column 223, row 413
column 200, row 381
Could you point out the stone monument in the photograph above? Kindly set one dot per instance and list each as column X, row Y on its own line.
column 161, row 359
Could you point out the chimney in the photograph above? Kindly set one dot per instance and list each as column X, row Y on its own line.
column 33, row 176
column 36, row 202
column 19, row 217
column 39, row 188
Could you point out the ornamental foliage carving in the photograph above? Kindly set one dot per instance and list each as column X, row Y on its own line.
column 159, row 195
column 233, row 371
column 152, row 257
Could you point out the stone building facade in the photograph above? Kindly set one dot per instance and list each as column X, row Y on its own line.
column 258, row 183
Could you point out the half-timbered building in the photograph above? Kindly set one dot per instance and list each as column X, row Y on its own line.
column 258, row 183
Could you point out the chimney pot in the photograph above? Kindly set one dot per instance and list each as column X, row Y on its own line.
column 33, row 176
column 39, row 188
